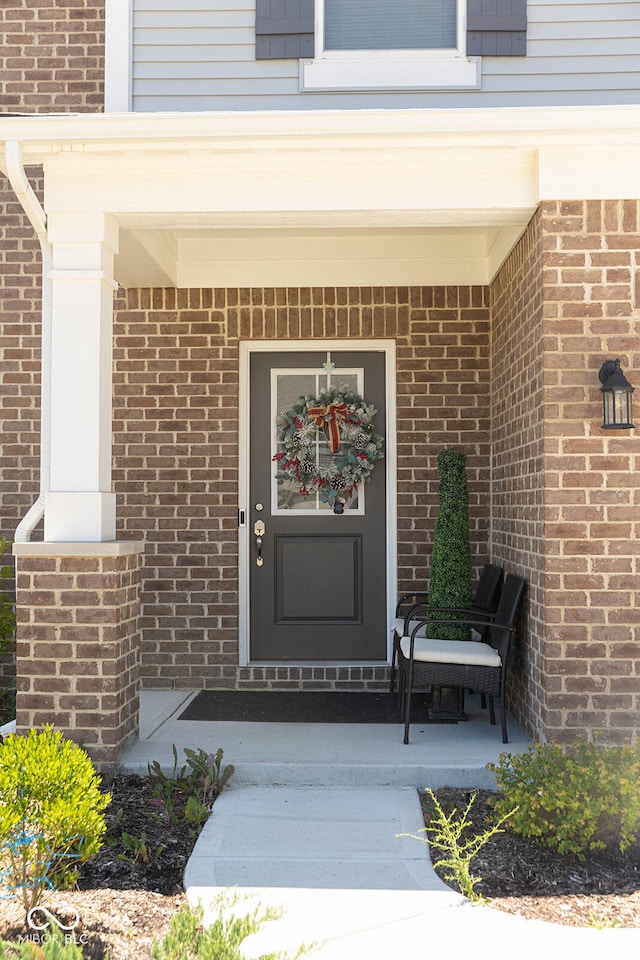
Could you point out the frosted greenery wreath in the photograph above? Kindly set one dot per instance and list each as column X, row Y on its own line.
column 347, row 423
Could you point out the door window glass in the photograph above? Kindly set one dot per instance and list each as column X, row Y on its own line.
column 287, row 388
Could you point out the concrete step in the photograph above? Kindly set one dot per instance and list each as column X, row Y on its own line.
column 338, row 755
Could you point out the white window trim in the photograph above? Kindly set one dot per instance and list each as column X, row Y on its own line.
column 389, row 69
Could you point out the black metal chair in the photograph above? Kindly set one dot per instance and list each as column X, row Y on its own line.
column 409, row 614
column 480, row 665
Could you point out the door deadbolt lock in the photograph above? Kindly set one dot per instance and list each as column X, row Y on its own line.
column 258, row 529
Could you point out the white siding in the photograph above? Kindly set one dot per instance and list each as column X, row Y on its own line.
column 199, row 55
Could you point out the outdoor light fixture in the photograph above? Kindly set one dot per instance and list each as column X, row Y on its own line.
column 616, row 397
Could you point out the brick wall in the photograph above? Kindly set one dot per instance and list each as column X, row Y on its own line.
column 52, row 56
column 555, row 495
column 77, row 643
column 592, row 476
column 51, row 60
column 20, row 299
column 565, row 492
column 175, row 452
column 517, row 465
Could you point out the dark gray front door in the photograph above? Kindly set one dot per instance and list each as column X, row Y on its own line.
column 319, row 593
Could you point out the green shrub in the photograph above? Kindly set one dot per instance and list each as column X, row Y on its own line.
column 583, row 798
column 7, row 606
column 189, row 939
column 53, row 946
column 451, row 838
column 450, row 579
column 138, row 849
column 7, row 705
column 51, row 812
column 198, row 783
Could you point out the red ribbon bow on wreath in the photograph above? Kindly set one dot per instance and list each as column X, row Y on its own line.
column 329, row 418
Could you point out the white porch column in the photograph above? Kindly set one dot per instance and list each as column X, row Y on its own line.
column 79, row 504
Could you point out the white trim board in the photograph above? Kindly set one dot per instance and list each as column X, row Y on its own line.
column 118, row 54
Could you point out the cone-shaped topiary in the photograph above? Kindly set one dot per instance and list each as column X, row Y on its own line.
column 450, row 581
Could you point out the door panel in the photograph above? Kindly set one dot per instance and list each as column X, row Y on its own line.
column 336, row 574
column 319, row 593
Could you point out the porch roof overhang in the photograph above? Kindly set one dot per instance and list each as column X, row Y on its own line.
column 324, row 197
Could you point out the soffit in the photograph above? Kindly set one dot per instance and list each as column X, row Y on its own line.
column 325, row 198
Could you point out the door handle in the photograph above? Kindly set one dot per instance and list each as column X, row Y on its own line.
column 258, row 529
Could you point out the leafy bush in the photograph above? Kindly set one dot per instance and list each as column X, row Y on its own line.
column 7, row 705
column 450, row 835
column 139, row 850
column 583, row 798
column 450, row 580
column 54, row 947
column 7, row 606
column 189, row 939
column 200, row 780
column 50, row 812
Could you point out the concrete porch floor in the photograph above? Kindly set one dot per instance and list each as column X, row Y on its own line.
column 341, row 754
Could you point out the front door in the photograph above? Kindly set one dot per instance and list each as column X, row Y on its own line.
column 317, row 577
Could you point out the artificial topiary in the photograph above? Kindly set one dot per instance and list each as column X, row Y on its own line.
column 450, row 581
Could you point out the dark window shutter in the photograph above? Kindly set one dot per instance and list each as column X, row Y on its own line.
column 284, row 29
column 496, row 28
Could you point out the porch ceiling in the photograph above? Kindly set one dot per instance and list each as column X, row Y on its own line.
column 324, row 198
column 302, row 254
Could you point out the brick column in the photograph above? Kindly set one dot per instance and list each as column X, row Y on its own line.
column 592, row 484
column 78, row 659
column 566, row 491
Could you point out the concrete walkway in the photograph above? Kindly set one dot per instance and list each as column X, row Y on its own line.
column 312, row 823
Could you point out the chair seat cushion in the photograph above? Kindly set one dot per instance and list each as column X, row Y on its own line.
column 398, row 627
column 468, row 652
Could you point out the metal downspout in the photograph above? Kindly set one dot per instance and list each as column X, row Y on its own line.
column 33, row 209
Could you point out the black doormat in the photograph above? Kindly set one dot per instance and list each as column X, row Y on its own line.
column 293, row 706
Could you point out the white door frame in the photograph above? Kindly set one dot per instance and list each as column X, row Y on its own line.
column 247, row 347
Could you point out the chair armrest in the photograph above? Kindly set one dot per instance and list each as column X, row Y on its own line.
column 471, row 622
column 415, row 612
column 409, row 596
column 481, row 617
column 475, row 612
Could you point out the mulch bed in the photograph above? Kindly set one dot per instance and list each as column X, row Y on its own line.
column 125, row 904
column 522, row 877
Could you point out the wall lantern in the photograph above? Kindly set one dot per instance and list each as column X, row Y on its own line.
column 616, row 397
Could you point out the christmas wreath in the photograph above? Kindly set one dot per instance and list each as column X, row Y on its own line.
column 346, row 421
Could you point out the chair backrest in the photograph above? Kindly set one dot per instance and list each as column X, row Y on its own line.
column 507, row 611
column 487, row 595
column 487, row 592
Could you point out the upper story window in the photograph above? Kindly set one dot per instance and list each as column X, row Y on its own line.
column 389, row 44
column 389, row 24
